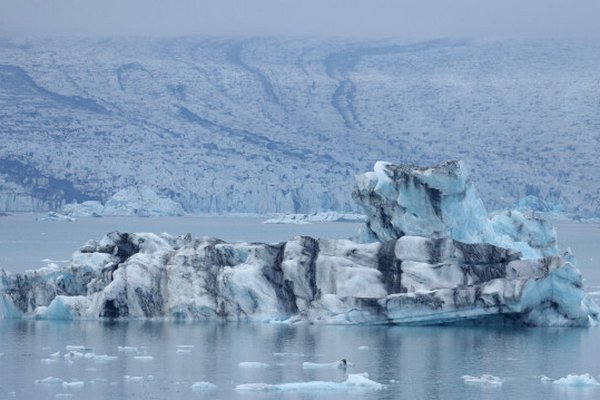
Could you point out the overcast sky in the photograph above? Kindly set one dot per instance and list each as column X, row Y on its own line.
column 408, row 19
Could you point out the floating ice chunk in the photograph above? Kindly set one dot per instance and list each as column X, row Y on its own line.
column 50, row 380
column 485, row 379
column 572, row 380
column 363, row 347
column 128, row 349
column 72, row 347
column 103, row 358
column 353, row 382
column 545, row 379
column 289, row 355
column 48, row 360
column 185, row 346
column 55, row 355
column 183, row 351
column 143, row 358
column 335, row 364
column 362, row 381
column 252, row 364
column 137, row 379
column 203, row 386
column 73, row 385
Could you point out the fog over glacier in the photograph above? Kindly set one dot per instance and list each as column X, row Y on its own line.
column 230, row 107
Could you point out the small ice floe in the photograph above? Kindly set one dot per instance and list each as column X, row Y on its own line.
column 55, row 355
column 137, row 379
column 336, row 364
column 143, row 358
column 103, row 358
column 289, row 355
column 200, row 386
column 353, row 382
column 363, row 348
column 545, row 379
column 48, row 360
column 184, row 348
column 253, row 364
column 73, row 385
column 485, row 379
column 128, row 349
column 50, row 380
column 73, row 347
column 572, row 380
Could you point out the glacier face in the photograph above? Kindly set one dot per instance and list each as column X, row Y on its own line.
column 411, row 280
column 211, row 123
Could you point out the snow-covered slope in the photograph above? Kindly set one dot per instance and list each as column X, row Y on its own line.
column 274, row 125
column 421, row 277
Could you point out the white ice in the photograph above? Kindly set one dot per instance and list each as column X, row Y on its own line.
column 200, row 386
column 73, row 385
column 143, row 358
column 573, row 380
column 128, row 349
column 312, row 365
column 50, row 380
column 353, row 382
column 253, row 364
column 485, row 379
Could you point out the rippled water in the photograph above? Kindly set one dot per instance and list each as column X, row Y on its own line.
column 412, row 363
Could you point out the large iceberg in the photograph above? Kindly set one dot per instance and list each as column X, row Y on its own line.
column 433, row 257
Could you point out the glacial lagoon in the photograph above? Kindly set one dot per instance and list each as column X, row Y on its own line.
column 156, row 360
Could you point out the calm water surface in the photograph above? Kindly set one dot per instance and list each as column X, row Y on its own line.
column 412, row 363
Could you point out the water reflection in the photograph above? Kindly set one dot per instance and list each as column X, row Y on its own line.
column 417, row 362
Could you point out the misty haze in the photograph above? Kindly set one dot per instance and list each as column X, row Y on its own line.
column 320, row 199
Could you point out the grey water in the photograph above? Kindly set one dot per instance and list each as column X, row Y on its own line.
column 412, row 362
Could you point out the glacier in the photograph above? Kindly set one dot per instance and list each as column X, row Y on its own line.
column 212, row 122
column 428, row 254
